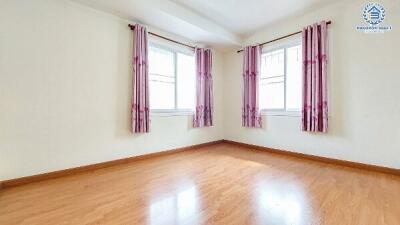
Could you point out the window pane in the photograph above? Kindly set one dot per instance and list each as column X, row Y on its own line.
column 162, row 93
column 294, row 78
column 186, row 81
column 272, row 93
column 273, row 63
column 161, row 61
column 161, row 79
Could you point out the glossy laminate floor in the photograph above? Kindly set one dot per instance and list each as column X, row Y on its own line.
column 220, row 184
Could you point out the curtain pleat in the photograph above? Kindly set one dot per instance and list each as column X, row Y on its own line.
column 140, row 82
column 315, row 98
column 251, row 70
column 204, row 89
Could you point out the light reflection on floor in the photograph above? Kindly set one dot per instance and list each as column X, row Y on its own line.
column 175, row 208
column 281, row 201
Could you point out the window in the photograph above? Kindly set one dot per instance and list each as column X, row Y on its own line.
column 280, row 80
column 171, row 80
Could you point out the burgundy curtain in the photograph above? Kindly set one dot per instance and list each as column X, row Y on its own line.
column 315, row 99
column 204, row 89
column 251, row 71
column 140, row 81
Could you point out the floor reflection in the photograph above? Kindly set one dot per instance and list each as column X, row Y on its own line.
column 178, row 208
column 281, row 203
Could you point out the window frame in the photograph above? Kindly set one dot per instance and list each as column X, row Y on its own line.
column 175, row 111
column 265, row 50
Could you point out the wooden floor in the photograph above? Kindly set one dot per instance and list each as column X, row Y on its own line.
column 221, row 184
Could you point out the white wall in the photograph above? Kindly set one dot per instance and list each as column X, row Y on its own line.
column 364, row 91
column 65, row 87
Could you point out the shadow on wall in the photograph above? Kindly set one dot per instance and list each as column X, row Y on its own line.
column 337, row 86
column 123, row 82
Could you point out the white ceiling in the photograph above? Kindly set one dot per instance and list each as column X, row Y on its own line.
column 221, row 23
column 244, row 17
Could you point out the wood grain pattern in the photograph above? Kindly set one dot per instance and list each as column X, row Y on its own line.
column 67, row 172
column 218, row 184
column 320, row 158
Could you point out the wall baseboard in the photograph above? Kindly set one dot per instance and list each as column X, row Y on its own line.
column 71, row 171
column 61, row 173
column 357, row 165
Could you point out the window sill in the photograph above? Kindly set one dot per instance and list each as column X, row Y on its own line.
column 170, row 113
column 281, row 113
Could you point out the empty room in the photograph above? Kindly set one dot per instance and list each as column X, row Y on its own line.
column 195, row 112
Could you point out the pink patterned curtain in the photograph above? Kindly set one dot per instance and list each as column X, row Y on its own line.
column 251, row 70
column 140, row 97
column 204, row 89
column 315, row 99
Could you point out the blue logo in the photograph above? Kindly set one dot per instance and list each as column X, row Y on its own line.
column 374, row 13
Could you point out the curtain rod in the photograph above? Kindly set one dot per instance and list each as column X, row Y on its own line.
column 165, row 38
column 280, row 38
